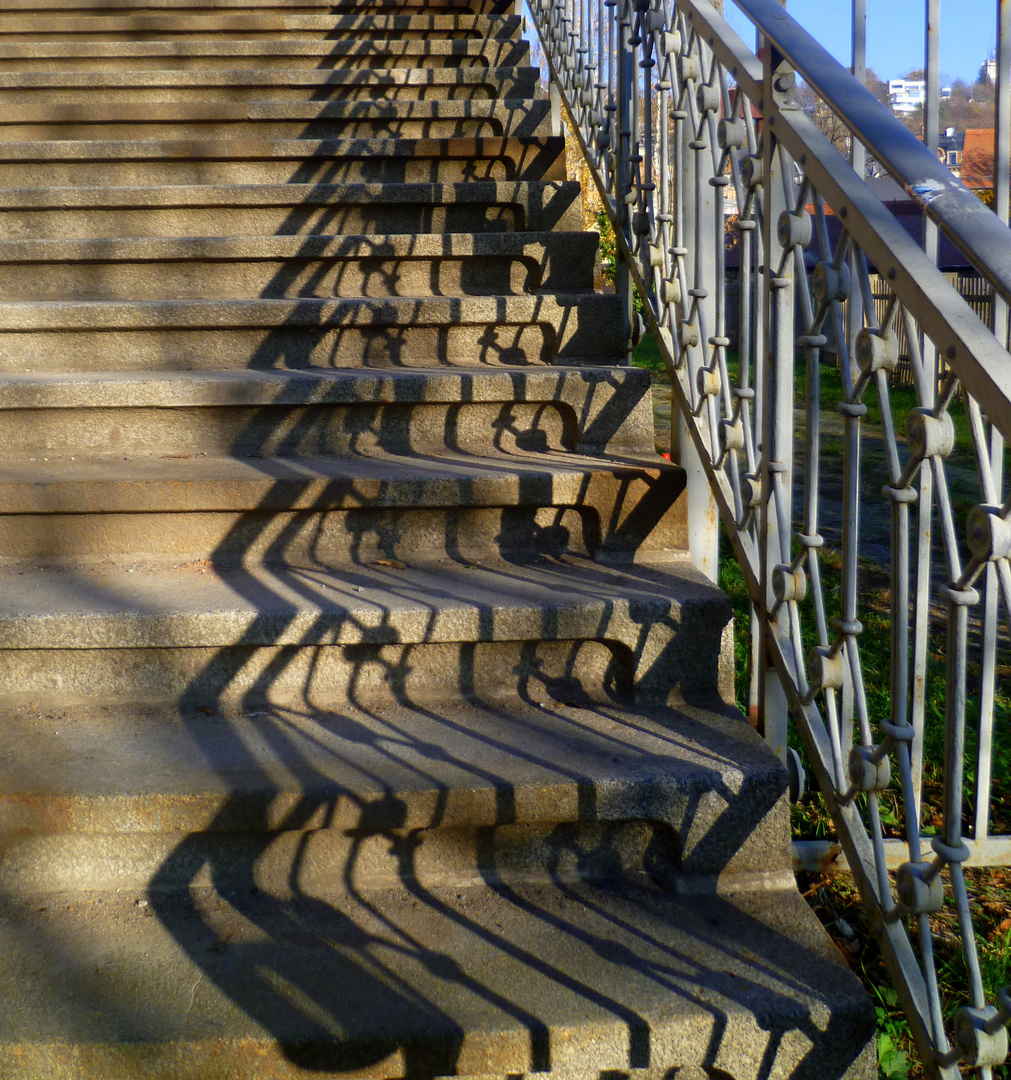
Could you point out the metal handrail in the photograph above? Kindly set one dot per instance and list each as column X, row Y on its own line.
column 675, row 115
column 973, row 228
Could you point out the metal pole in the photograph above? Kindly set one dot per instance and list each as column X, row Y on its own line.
column 988, row 644
column 858, row 154
column 777, row 405
column 699, row 208
column 625, row 149
column 931, row 48
column 855, row 304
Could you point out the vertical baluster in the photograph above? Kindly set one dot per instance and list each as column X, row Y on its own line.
column 757, row 682
column 600, row 83
column 645, row 204
column 697, row 208
column 856, row 318
column 988, row 644
column 855, row 306
column 610, row 104
column 858, row 152
column 777, row 406
column 625, row 121
column 929, row 361
column 854, row 322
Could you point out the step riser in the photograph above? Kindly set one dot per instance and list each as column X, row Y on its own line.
column 299, row 55
column 481, row 275
column 584, row 337
column 448, row 128
column 604, row 410
column 325, row 858
column 186, row 34
column 499, row 54
column 50, row 29
column 344, row 539
column 570, row 671
column 298, row 347
column 324, row 430
column 379, row 88
column 536, row 165
column 559, row 212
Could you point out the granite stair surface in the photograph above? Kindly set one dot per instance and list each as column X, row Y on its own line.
column 363, row 713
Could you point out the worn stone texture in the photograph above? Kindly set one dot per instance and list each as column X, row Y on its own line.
column 363, row 714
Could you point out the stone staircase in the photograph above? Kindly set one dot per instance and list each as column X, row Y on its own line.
column 362, row 710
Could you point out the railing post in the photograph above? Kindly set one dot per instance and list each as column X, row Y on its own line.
column 555, row 102
column 855, row 305
column 625, row 150
column 699, row 209
column 777, row 398
column 991, row 586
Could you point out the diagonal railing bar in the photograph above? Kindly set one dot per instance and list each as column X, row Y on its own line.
column 767, row 268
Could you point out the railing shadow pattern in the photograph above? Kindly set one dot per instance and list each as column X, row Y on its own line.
column 332, row 925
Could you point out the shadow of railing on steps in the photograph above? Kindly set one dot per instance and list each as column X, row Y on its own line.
column 319, row 901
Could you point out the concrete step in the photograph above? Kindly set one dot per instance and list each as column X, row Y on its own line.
column 307, row 332
column 490, row 978
column 278, row 161
column 344, row 511
column 289, row 209
column 488, row 264
column 507, row 767
column 259, row 53
column 407, row 23
column 499, row 886
column 264, row 414
column 662, row 626
column 437, row 119
column 86, row 88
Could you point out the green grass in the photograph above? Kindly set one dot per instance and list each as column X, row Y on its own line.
column 647, row 355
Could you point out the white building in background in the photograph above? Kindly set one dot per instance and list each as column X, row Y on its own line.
column 908, row 95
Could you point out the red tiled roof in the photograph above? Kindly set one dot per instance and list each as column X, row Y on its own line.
column 977, row 158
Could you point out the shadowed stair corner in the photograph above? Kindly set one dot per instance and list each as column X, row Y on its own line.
column 362, row 709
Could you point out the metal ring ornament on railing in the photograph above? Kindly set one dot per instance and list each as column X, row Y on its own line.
column 711, row 173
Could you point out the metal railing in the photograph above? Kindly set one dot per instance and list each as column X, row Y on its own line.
column 753, row 244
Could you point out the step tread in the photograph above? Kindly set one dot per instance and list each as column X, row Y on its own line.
column 255, row 21
column 265, row 77
column 376, row 46
column 416, row 981
column 143, row 767
column 314, row 246
column 87, row 315
column 196, row 483
column 517, row 110
column 293, row 194
column 199, row 605
column 166, row 389
column 251, row 148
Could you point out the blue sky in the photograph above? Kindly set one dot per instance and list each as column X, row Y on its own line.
column 895, row 33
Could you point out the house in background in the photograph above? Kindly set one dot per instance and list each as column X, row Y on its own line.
column 908, row 95
column 950, row 149
column 977, row 159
